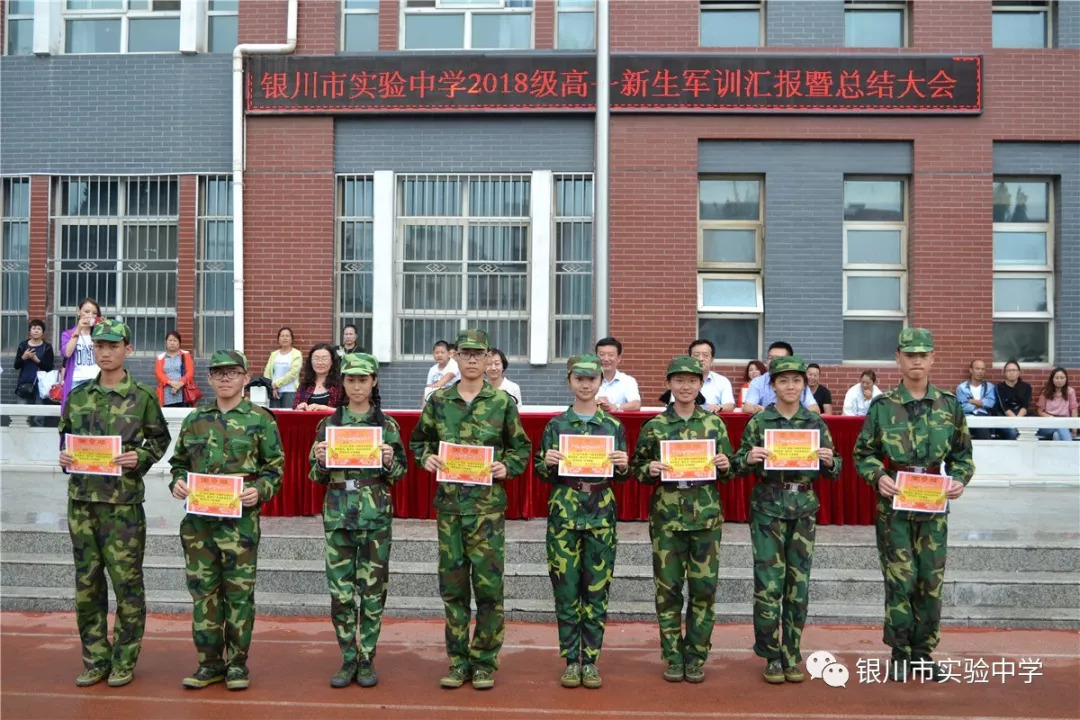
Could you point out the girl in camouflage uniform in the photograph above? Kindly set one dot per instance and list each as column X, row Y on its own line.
column 357, row 518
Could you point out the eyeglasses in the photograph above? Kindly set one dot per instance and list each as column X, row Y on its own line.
column 225, row 374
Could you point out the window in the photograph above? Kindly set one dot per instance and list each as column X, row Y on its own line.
column 875, row 24
column 223, row 26
column 360, row 25
column 114, row 26
column 355, row 246
column 1019, row 24
column 462, row 257
column 875, row 267
column 116, row 241
column 214, row 265
column 576, row 25
column 20, row 27
column 467, row 24
column 573, row 256
column 15, row 210
column 729, row 23
column 730, row 243
column 1023, row 270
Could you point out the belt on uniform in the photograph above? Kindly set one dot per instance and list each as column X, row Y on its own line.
column 356, row 484
column 795, row 487
column 918, row 469
column 685, row 484
column 586, row 486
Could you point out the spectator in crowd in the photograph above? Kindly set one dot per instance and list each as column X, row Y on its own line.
column 349, row 341
column 1057, row 399
column 497, row 364
column 1013, row 398
column 32, row 355
column 977, row 397
column 283, row 369
column 760, row 394
column 77, row 349
column 754, row 368
column 717, row 388
column 174, row 369
column 320, row 386
column 822, row 394
column 618, row 391
column 858, row 397
column 444, row 372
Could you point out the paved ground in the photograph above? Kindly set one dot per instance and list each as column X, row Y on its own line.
column 293, row 659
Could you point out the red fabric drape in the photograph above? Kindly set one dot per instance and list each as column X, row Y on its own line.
column 848, row 501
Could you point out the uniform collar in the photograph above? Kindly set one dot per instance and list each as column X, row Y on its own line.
column 244, row 407
column 485, row 392
column 932, row 393
column 771, row 413
column 597, row 418
column 121, row 388
column 696, row 415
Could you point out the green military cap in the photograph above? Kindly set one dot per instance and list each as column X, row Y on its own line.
column 473, row 340
column 112, row 330
column 587, row 365
column 915, row 340
column 788, row 363
column 685, row 364
column 228, row 358
column 359, row 364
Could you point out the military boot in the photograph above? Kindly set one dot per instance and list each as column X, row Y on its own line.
column 590, row 677
column 455, row 678
column 794, row 674
column 571, row 677
column 695, row 671
column 366, row 675
column 203, row 677
column 344, row 677
column 774, row 672
column 675, row 672
column 237, row 678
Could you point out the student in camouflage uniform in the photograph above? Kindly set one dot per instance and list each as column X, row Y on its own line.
column 105, row 514
column 357, row 517
column 685, row 523
column 471, row 518
column 227, row 437
column 581, row 526
column 913, row 427
column 782, row 522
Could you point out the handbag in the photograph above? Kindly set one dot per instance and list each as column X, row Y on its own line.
column 26, row 390
column 56, row 393
column 45, row 380
column 192, row 393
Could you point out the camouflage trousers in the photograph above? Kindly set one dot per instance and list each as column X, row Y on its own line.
column 471, row 558
column 783, row 552
column 912, row 554
column 357, row 563
column 580, row 564
column 221, row 555
column 694, row 555
column 108, row 538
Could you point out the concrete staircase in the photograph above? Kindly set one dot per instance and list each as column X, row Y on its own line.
column 988, row 583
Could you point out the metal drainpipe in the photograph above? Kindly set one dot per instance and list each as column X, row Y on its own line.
column 603, row 117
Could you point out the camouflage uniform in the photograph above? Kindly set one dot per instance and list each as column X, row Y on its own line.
column 357, row 519
column 221, row 553
column 471, row 519
column 902, row 432
column 581, row 532
column 782, row 528
column 685, row 525
column 106, row 520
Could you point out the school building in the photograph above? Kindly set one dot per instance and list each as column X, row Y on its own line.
column 817, row 171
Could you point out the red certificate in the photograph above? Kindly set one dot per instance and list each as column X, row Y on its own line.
column 93, row 454
column 215, row 495
column 921, row 493
column 465, row 464
column 689, row 460
column 354, row 447
column 792, row 449
column 586, row 456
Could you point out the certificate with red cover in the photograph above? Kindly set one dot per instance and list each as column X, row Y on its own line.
column 354, row 447
column 93, row 454
column 465, row 464
column 688, row 459
column 586, row 456
column 918, row 492
column 215, row 495
column 792, row 449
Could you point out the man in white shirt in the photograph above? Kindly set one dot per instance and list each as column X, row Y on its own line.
column 760, row 393
column 717, row 388
column 444, row 372
column 618, row 391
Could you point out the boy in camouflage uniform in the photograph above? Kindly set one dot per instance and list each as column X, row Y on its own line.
column 581, row 526
column 782, row 522
column 471, row 518
column 357, row 518
column 685, row 523
column 913, row 427
column 106, row 520
column 227, row 437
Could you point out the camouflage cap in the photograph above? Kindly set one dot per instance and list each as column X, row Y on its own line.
column 228, row 358
column 111, row 330
column 359, row 364
column 685, row 364
column 587, row 365
column 473, row 340
column 787, row 363
column 915, row 340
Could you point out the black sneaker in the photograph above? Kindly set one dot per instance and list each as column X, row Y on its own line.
column 366, row 675
column 344, row 677
column 203, row 677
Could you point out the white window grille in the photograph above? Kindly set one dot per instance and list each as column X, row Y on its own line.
column 355, row 225
column 20, row 27
column 360, row 25
column 572, row 312
column 575, row 25
column 214, row 265
column 121, row 26
column 15, row 261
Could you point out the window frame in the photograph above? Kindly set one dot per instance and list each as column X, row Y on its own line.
column 345, row 13
column 364, row 335
column 1046, row 7
column 448, row 7
column 12, row 265
column 756, row 225
column 10, row 17
column 125, row 14
column 203, row 217
column 210, row 15
column 854, row 314
column 880, row 5
column 733, row 310
column 718, row 6
column 553, row 280
column 574, row 10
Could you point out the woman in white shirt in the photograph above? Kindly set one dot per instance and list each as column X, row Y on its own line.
column 283, row 368
column 497, row 364
column 857, row 400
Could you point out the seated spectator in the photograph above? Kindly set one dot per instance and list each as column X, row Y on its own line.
column 618, row 391
column 32, row 356
column 760, row 394
column 444, row 372
column 754, row 368
column 822, row 394
column 977, row 397
column 1013, row 398
column 1057, row 399
column 320, row 385
column 858, row 397
column 174, row 369
column 717, row 388
column 497, row 364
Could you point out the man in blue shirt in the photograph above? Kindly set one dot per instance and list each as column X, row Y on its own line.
column 760, row 394
column 978, row 398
